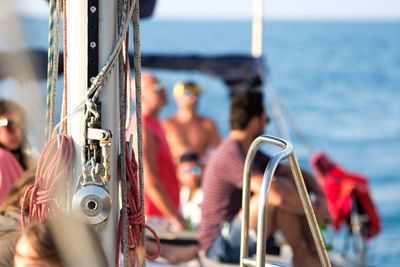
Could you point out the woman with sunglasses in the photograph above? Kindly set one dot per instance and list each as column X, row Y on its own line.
column 14, row 156
column 191, row 195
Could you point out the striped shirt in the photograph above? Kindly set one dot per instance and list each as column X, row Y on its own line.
column 222, row 187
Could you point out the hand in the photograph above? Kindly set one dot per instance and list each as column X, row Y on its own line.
column 177, row 223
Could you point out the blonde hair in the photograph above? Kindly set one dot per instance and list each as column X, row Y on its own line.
column 182, row 87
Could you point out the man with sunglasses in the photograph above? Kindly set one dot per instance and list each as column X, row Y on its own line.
column 162, row 186
column 187, row 130
column 222, row 185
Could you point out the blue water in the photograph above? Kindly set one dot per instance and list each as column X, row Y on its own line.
column 340, row 81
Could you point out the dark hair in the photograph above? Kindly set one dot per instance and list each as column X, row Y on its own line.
column 62, row 240
column 189, row 156
column 244, row 107
column 8, row 107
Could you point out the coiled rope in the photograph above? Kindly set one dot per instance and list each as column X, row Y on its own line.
column 54, row 167
column 135, row 214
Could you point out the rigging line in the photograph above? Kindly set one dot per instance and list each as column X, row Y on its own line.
column 128, row 91
column 284, row 113
column 122, row 118
column 49, row 65
column 52, row 72
column 277, row 113
column 122, row 122
column 296, row 128
column 64, row 107
column 97, row 84
column 137, row 66
column 98, row 81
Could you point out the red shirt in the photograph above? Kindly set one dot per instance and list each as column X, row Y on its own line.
column 10, row 171
column 166, row 167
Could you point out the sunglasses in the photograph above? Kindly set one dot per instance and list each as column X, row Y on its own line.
column 196, row 170
column 9, row 124
column 157, row 87
column 189, row 93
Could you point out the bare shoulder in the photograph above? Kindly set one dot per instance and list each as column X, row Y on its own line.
column 169, row 123
column 208, row 123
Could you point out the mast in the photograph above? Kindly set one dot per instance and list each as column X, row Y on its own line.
column 257, row 51
column 91, row 37
column 257, row 28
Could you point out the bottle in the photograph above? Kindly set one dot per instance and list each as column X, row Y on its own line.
column 189, row 224
column 325, row 236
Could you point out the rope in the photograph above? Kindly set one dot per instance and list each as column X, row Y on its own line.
column 64, row 108
column 280, row 113
column 139, row 126
column 135, row 214
column 122, row 120
column 52, row 67
column 54, row 166
column 98, row 81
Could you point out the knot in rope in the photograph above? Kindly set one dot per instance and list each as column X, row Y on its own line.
column 137, row 219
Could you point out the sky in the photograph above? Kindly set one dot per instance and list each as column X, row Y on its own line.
column 241, row 9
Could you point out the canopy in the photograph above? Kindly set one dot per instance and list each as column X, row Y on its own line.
column 239, row 72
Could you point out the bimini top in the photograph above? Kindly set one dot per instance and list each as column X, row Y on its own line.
column 239, row 72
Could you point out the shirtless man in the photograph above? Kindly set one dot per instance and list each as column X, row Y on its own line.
column 187, row 130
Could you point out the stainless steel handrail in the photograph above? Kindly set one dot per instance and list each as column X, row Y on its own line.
column 286, row 152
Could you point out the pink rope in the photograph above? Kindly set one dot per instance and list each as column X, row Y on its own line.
column 54, row 167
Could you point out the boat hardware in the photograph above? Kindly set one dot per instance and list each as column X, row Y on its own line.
column 92, row 203
column 104, row 138
column 286, row 152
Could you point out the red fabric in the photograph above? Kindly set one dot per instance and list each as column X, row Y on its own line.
column 166, row 168
column 10, row 171
column 339, row 187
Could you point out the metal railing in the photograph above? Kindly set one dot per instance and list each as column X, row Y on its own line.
column 286, row 152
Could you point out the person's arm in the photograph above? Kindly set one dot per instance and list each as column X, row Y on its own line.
column 320, row 204
column 154, row 187
column 214, row 135
column 309, row 180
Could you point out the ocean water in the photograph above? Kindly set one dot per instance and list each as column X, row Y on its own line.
column 340, row 81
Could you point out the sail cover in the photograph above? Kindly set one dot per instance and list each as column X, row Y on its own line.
column 239, row 72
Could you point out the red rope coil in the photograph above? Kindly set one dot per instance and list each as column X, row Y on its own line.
column 136, row 218
column 54, row 167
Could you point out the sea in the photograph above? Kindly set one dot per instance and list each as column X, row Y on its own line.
column 338, row 82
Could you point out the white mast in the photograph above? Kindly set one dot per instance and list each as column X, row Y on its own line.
column 257, row 28
column 77, row 77
column 257, row 51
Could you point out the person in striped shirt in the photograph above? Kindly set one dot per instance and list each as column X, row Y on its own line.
column 222, row 186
